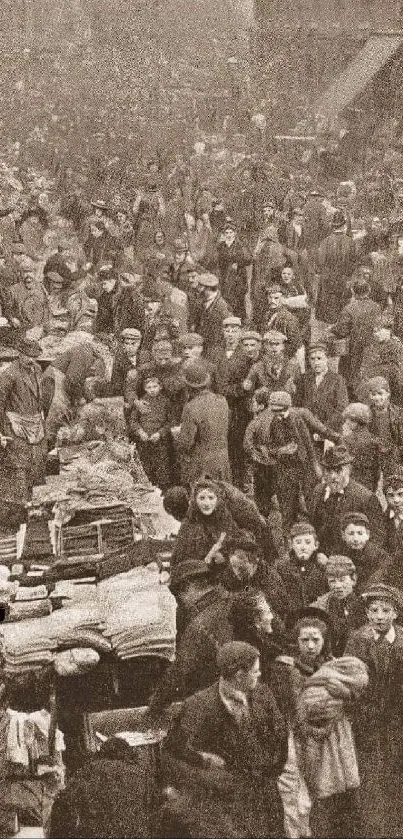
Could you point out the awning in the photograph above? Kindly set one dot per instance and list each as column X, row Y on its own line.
column 362, row 69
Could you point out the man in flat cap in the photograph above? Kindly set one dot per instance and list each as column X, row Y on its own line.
column 279, row 444
column 386, row 423
column 214, row 311
column 231, row 368
column 223, row 737
column 22, row 428
column 29, row 298
column 320, row 389
column 336, row 261
column 126, row 363
column 372, row 563
column 339, row 494
column 233, row 260
column 274, row 315
column 378, row 716
column 274, row 370
column 355, row 324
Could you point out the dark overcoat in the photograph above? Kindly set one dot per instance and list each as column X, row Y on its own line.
column 203, row 438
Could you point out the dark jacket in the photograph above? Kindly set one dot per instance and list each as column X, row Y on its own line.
column 233, row 281
column 240, row 799
column 391, row 444
column 120, row 309
column 203, row 438
column 195, row 665
column 365, row 449
column 283, row 321
column 259, row 447
column 346, row 615
column 336, row 263
column 210, row 324
column 385, row 359
column 372, row 564
column 198, row 533
column 303, row 583
column 326, row 515
column 356, row 323
column 327, row 400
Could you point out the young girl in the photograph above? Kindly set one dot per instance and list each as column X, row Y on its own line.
column 149, row 424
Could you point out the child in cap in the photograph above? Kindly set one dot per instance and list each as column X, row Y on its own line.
column 386, row 423
column 149, row 424
column 370, row 560
column 363, row 446
column 304, row 570
column 345, row 608
column 378, row 717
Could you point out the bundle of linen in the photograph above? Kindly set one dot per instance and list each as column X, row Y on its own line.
column 140, row 615
column 31, row 644
column 24, row 610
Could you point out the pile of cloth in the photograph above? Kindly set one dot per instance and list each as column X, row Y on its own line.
column 32, row 644
column 140, row 615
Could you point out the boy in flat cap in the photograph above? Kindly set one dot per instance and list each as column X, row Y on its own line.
column 386, row 423
column 213, row 312
column 378, row 717
column 303, row 571
column 372, row 563
column 384, row 357
column 339, row 494
column 345, row 608
column 227, row 748
column 278, row 317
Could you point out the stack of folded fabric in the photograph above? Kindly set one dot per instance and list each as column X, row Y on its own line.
column 24, row 610
column 74, row 567
column 32, row 644
column 140, row 615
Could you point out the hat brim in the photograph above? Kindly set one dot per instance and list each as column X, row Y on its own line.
column 199, row 385
column 309, row 612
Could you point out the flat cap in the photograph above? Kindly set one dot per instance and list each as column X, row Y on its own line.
column 234, row 656
column 250, row 335
column 376, row 384
column 190, row 339
column 300, row 528
column 279, row 399
column 354, row 518
column 208, row 280
column 321, row 344
column 358, row 412
column 231, row 320
column 339, row 566
column 130, row 333
column 273, row 336
column 381, row 591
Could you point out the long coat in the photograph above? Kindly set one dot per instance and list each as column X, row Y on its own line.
column 203, row 438
column 378, row 726
column 336, row 262
column 210, row 325
column 21, row 464
column 366, row 451
column 326, row 515
column 327, row 400
column 120, row 309
column 390, row 446
column 241, row 799
column 228, row 376
column 356, row 323
column 234, row 281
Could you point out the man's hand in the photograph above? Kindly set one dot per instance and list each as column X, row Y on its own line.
column 212, row 761
column 142, row 435
column 155, row 437
column 4, row 441
column 175, row 430
column 290, row 448
column 247, row 385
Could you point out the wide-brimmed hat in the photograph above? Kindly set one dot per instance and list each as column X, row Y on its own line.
column 98, row 204
column 196, row 375
column 336, row 457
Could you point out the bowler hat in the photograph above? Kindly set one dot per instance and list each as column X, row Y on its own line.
column 336, row 457
column 187, row 570
column 196, row 375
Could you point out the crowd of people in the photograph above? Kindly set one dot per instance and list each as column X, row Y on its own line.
column 257, row 346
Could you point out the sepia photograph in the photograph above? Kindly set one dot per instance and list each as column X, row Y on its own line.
column 201, row 419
